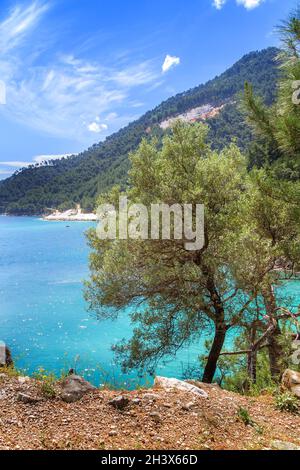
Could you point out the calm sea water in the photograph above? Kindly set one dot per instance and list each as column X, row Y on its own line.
column 43, row 316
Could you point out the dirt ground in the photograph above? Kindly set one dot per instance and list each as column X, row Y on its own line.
column 154, row 419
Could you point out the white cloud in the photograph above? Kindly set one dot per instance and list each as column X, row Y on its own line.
column 170, row 61
column 219, row 4
column 15, row 164
column 97, row 128
column 250, row 4
column 40, row 159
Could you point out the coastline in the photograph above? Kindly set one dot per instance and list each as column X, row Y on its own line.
column 71, row 218
column 71, row 215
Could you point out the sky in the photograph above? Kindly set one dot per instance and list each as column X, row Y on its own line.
column 73, row 72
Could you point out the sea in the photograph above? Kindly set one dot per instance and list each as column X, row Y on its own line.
column 45, row 320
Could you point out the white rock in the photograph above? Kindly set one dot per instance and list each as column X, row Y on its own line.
column 169, row 384
column 23, row 380
column 291, row 381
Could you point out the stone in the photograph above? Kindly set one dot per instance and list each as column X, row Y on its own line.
column 23, row 380
column 28, row 399
column 74, row 387
column 5, row 355
column 291, row 382
column 120, row 402
column 150, row 396
column 156, row 417
column 188, row 406
column 282, row 445
column 136, row 401
column 3, row 395
column 169, row 384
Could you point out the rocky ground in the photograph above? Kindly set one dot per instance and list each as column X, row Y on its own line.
column 142, row 419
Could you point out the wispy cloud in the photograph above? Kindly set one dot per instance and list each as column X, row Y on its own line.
column 170, row 62
column 15, row 164
column 11, row 166
column 18, row 23
column 61, row 94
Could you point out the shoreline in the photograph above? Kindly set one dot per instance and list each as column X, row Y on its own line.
column 71, row 218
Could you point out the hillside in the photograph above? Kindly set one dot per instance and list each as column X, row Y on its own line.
column 62, row 184
column 141, row 419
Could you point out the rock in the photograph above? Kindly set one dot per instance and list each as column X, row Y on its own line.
column 150, row 396
column 3, row 395
column 23, row 380
column 74, row 387
column 282, row 445
column 156, row 417
column 169, row 384
column 119, row 402
column 188, row 406
column 136, row 401
column 5, row 356
column 200, row 384
column 291, row 382
column 28, row 399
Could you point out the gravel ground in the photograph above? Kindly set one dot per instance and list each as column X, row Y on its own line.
column 153, row 419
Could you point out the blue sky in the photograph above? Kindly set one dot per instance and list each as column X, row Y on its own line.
column 76, row 71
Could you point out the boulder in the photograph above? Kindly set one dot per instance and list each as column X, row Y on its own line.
column 74, row 387
column 291, row 382
column 119, row 403
column 5, row 356
column 283, row 445
column 28, row 399
column 169, row 384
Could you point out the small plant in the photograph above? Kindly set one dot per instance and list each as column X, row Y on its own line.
column 10, row 371
column 48, row 390
column 287, row 402
column 47, row 382
column 243, row 414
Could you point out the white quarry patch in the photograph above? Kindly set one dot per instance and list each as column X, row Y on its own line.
column 201, row 113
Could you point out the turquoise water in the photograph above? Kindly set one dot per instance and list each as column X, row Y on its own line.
column 43, row 316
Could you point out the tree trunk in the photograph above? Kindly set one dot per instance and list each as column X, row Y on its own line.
column 214, row 354
column 275, row 349
column 252, row 366
column 275, row 355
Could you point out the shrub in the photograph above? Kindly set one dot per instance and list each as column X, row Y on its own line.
column 287, row 402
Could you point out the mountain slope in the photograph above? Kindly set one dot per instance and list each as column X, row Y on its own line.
column 79, row 179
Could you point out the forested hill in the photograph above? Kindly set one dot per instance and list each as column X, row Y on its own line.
column 61, row 184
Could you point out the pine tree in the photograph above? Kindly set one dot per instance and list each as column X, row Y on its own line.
column 279, row 125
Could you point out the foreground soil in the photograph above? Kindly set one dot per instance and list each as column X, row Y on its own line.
column 154, row 419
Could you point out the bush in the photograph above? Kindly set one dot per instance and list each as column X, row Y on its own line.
column 287, row 402
column 47, row 382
